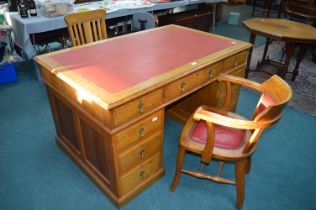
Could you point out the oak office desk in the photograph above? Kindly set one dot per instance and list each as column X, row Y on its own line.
column 108, row 99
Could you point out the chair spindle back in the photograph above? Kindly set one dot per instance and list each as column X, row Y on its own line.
column 86, row 27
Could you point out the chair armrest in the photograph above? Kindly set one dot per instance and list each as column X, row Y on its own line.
column 212, row 117
column 239, row 80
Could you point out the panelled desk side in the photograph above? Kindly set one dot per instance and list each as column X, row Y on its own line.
column 116, row 137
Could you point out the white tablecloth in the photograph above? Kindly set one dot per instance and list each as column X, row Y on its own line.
column 23, row 27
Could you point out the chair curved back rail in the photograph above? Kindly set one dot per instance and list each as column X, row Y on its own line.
column 226, row 136
column 275, row 94
column 86, row 27
column 279, row 93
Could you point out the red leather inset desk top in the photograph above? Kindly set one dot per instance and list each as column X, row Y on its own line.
column 121, row 63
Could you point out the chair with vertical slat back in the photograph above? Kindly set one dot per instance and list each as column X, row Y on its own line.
column 219, row 134
column 301, row 10
column 86, row 27
column 267, row 5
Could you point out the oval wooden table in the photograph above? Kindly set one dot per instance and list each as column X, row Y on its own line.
column 294, row 34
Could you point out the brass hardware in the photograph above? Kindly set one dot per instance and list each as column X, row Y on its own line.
column 182, row 86
column 236, row 62
column 141, row 132
column 140, row 106
column 210, row 73
column 142, row 174
column 142, row 153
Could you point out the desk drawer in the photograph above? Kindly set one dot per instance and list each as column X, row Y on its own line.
column 140, row 153
column 234, row 61
column 140, row 174
column 137, row 107
column 139, row 131
column 188, row 83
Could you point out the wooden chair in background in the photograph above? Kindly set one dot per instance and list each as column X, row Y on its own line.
column 86, row 27
column 227, row 136
column 303, row 10
column 267, row 5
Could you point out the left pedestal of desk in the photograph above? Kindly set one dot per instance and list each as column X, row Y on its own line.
column 122, row 155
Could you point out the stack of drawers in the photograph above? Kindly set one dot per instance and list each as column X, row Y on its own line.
column 139, row 151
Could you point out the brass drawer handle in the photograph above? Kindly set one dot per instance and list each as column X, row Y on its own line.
column 140, row 106
column 182, row 86
column 141, row 132
column 142, row 153
column 142, row 174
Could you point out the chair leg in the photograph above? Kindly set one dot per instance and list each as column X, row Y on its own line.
column 240, row 182
column 178, row 169
column 248, row 165
column 253, row 7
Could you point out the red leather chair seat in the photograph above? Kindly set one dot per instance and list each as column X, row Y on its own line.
column 225, row 137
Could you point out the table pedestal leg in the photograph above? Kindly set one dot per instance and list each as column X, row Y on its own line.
column 252, row 41
column 300, row 56
column 266, row 47
column 283, row 52
column 289, row 52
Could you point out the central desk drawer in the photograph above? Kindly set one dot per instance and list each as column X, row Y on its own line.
column 140, row 153
column 137, row 107
column 140, row 131
column 140, row 174
column 188, row 83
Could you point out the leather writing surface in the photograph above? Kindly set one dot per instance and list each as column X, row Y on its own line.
column 121, row 63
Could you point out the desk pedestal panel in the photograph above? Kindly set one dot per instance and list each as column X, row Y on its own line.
column 121, row 169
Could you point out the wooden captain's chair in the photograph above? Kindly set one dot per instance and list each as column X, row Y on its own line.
column 226, row 136
column 86, row 27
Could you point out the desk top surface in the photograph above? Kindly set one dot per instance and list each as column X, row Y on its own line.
column 281, row 29
column 124, row 65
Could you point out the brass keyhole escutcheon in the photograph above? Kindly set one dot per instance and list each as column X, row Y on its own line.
column 141, row 132
column 140, row 107
column 182, row 86
column 142, row 174
column 236, row 62
column 210, row 73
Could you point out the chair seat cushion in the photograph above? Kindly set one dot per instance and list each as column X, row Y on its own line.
column 225, row 137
